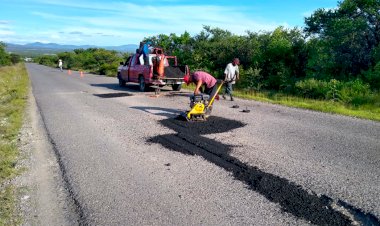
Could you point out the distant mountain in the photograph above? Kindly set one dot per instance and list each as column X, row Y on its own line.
column 37, row 48
column 130, row 48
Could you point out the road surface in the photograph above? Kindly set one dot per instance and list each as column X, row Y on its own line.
column 125, row 159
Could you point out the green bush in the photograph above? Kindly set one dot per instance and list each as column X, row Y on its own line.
column 334, row 90
column 5, row 58
column 355, row 93
column 48, row 60
column 15, row 58
column 312, row 88
column 250, row 79
column 373, row 77
column 108, row 69
column 93, row 60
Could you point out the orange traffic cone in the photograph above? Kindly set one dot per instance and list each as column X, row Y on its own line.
column 81, row 74
column 69, row 72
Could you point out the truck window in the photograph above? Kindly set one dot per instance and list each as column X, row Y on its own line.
column 127, row 61
column 134, row 59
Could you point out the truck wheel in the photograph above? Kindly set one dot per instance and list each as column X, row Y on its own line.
column 176, row 87
column 142, row 85
column 121, row 81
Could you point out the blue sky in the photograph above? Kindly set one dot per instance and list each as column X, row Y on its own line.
column 119, row 22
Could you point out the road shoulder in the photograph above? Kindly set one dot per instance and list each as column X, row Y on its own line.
column 43, row 199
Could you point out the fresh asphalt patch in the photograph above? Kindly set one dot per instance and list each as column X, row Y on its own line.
column 292, row 198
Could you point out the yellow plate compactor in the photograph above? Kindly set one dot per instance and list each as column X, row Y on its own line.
column 200, row 106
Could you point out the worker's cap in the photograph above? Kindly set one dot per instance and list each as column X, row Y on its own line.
column 187, row 79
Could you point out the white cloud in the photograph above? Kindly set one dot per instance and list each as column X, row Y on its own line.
column 5, row 32
column 128, row 23
column 4, row 22
column 123, row 14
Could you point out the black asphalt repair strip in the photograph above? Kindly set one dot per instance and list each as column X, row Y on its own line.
column 291, row 197
column 113, row 95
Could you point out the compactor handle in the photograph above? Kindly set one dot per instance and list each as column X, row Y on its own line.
column 216, row 93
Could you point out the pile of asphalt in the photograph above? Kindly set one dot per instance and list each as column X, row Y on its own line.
column 291, row 197
column 174, row 72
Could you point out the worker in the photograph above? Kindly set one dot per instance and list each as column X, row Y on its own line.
column 145, row 49
column 200, row 78
column 231, row 74
column 121, row 65
column 60, row 64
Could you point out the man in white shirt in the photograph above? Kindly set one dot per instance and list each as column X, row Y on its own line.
column 231, row 74
column 60, row 64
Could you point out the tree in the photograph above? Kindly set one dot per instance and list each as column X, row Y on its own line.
column 15, row 58
column 348, row 34
column 283, row 57
column 214, row 48
column 4, row 56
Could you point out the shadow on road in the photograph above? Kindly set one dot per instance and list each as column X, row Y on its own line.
column 134, row 88
column 114, row 86
column 113, row 95
column 166, row 112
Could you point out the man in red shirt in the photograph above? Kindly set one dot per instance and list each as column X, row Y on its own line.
column 200, row 78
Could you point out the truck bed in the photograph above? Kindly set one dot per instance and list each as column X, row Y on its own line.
column 175, row 71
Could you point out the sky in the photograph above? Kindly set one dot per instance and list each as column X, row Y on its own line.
column 120, row 22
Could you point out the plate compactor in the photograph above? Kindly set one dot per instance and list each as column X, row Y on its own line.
column 200, row 106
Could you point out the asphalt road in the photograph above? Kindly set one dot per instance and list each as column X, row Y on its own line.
column 126, row 159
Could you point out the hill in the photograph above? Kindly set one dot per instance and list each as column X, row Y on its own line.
column 38, row 48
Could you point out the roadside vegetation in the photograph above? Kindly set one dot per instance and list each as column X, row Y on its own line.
column 93, row 60
column 332, row 64
column 14, row 85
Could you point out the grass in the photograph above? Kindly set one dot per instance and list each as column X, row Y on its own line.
column 14, row 84
column 365, row 111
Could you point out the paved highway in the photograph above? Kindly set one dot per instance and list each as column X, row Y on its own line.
column 126, row 160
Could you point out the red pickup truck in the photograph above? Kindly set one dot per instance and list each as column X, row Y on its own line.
column 151, row 74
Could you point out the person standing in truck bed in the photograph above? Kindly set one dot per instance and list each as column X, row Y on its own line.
column 144, row 57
